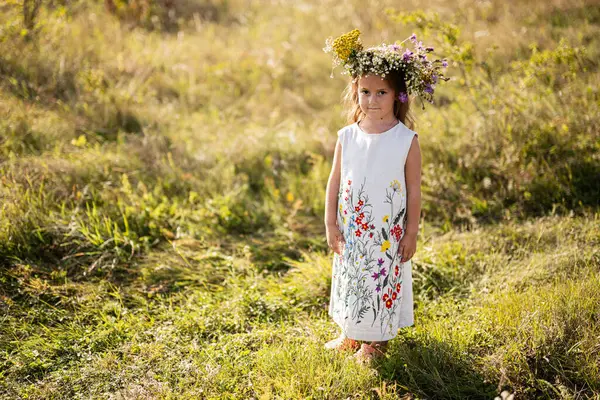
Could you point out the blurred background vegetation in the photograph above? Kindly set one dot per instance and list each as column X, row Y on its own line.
column 163, row 167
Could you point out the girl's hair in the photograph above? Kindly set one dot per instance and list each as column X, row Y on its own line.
column 401, row 110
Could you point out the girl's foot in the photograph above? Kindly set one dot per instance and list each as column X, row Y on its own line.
column 370, row 352
column 342, row 343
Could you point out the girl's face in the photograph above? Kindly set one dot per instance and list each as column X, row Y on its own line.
column 375, row 97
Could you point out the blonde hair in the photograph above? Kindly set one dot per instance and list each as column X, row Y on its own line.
column 401, row 110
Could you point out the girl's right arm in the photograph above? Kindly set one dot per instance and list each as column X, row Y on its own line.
column 334, row 236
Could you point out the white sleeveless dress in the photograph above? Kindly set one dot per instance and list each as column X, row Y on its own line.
column 371, row 290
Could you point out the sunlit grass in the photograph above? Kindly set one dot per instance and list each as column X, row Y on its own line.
column 162, row 190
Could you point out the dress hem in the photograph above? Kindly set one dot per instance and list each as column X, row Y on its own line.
column 366, row 336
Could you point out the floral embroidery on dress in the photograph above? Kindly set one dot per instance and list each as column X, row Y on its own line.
column 370, row 254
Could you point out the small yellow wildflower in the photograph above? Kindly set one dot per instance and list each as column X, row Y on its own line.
column 344, row 44
column 385, row 245
column 385, row 218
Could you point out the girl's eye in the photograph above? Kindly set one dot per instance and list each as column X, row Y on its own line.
column 382, row 92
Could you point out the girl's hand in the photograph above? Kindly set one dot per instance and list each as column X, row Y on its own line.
column 335, row 238
column 407, row 246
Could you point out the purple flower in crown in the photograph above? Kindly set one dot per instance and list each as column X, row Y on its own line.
column 429, row 49
column 407, row 55
column 395, row 47
column 403, row 97
column 444, row 63
column 413, row 37
column 428, row 88
column 435, row 78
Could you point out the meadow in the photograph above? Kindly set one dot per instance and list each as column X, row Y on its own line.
column 163, row 167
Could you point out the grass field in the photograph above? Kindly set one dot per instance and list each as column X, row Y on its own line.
column 162, row 186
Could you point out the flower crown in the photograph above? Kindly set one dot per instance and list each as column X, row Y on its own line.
column 421, row 75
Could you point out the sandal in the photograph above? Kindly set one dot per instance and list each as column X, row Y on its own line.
column 342, row 343
column 369, row 353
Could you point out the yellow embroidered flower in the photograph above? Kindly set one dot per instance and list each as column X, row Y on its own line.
column 344, row 220
column 395, row 184
column 344, row 44
column 385, row 245
column 385, row 218
column 340, row 208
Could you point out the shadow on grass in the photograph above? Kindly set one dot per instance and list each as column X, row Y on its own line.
column 433, row 370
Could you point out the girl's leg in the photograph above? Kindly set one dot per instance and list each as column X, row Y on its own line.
column 369, row 351
column 342, row 342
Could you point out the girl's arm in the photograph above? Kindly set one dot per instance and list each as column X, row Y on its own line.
column 333, row 187
column 412, row 174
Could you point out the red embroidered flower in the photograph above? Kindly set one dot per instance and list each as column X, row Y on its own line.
column 365, row 226
column 372, row 226
column 361, row 215
column 385, row 297
column 345, row 211
column 357, row 208
column 396, row 272
column 371, row 234
column 358, row 233
column 349, row 182
column 388, row 303
column 345, row 198
column 398, row 287
column 360, row 203
column 394, row 296
column 358, row 221
column 397, row 232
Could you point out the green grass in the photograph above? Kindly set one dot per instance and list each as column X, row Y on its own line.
column 162, row 187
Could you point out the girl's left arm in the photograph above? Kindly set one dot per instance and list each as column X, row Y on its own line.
column 412, row 176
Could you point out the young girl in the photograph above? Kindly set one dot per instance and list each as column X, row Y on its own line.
column 373, row 196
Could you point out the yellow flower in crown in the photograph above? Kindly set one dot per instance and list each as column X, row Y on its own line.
column 385, row 245
column 395, row 185
column 344, row 44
